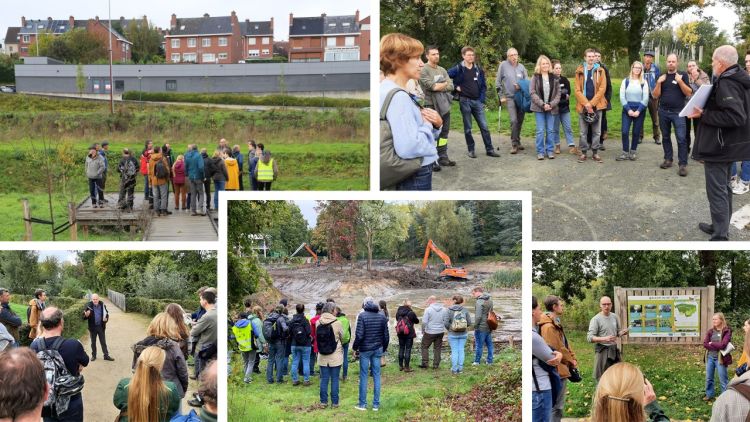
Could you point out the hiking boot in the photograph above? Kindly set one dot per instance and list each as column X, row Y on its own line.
column 109, row 358
column 520, row 147
column 306, row 383
column 573, row 150
column 93, row 358
column 401, row 368
column 436, row 167
column 657, row 141
column 514, row 149
column 601, row 147
column 682, row 171
column 492, row 154
column 296, row 383
column 446, row 162
column 166, row 212
column 422, row 366
column 706, row 228
column 633, row 156
column 407, row 369
column 471, row 154
column 557, row 149
column 624, row 156
column 666, row 164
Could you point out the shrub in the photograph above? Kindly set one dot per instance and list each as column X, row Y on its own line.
column 75, row 325
column 245, row 99
column 504, row 279
column 151, row 307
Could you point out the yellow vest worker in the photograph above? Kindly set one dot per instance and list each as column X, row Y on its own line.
column 265, row 171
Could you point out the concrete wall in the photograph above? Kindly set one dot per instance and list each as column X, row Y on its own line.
column 248, row 78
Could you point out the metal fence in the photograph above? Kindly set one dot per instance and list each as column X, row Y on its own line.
column 117, row 298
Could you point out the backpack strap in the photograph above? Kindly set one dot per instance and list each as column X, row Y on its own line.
column 57, row 343
column 744, row 390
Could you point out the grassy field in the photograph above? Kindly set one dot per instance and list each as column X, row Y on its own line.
column 20, row 310
column 423, row 395
column 676, row 372
column 614, row 118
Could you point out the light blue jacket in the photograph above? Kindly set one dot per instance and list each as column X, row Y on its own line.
column 633, row 95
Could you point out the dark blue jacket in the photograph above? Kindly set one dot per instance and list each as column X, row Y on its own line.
column 457, row 74
column 372, row 330
column 194, row 164
column 198, row 314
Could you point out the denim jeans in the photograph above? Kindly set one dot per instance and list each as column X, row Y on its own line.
column 744, row 171
column 275, row 358
column 564, row 120
column 545, row 141
column 457, row 343
column 367, row 360
column 218, row 187
column 667, row 119
column 541, row 405
column 329, row 375
column 421, row 180
column 301, row 353
column 248, row 359
column 637, row 122
column 482, row 338
column 345, row 371
column 712, row 364
column 475, row 108
column 147, row 194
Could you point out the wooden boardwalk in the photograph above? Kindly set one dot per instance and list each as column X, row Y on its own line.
column 180, row 226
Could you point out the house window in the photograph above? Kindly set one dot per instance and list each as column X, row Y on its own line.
column 253, row 53
column 123, row 48
column 175, row 43
column 171, row 85
column 206, row 42
column 349, row 41
column 266, row 52
column 191, row 42
column 342, row 55
column 223, row 56
column 26, row 38
column 266, row 40
column 331, row 41
column 222, row 41
column 120, row 86
column 175, row 57
column 190, row 57
column 24, row 49
column 251, row 40
column 208, row 58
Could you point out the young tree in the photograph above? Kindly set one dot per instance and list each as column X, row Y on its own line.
column 146, row 40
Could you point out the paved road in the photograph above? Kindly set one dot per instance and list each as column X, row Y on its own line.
column 589, row 201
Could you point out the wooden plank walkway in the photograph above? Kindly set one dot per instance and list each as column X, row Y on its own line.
column 180, row 226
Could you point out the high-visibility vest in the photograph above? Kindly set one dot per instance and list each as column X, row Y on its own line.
column 244, row 337
column 265, row 171
column 347, row 329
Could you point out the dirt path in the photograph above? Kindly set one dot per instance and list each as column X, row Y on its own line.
column 123, row 329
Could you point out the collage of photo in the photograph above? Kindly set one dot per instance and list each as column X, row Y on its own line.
column 223, row 231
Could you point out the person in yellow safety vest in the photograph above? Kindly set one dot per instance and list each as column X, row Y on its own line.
column 345, row 339
column 248, row 332
column 266, row 171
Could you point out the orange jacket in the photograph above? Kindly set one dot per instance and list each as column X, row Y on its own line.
column 152, row 179
column 553, row 335
column 600, row 87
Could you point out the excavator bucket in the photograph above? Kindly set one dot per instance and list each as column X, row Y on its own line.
column 455, row 273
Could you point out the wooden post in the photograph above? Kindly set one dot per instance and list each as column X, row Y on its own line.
column 72, row 220
column 27, row 218
column 86, row 232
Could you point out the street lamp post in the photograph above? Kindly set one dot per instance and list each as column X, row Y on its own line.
column 111, row 80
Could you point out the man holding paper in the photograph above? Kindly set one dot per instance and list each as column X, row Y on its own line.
column 723, row 136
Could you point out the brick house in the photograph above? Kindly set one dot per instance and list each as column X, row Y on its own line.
column 204, row 40
column 327, row 38
column 257, row 39
column 121, row 47
column 11, row 40
column 364, row 44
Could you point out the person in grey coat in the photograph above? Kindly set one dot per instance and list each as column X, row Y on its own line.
column 509, row 73
column 482, row 332
column 457, row 321
column 94, row 170
column 433, row 330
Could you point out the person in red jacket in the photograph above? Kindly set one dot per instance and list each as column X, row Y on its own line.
column 313, row 321
column 145, row 157
column 717, row 338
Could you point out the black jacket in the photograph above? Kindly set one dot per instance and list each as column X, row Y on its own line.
column 372, row 330
column 207, row 166
column 724, row 129
column 219, row 170
column 126, row 165
column 406, row 312
column 92, row 323
column 299, row 319
column 564, row 105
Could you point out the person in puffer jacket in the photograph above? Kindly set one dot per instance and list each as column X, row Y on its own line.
column 370, row 341
column 163, row 332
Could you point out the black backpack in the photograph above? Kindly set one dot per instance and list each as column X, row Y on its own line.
column 273, row 330
column 160, row 170
column 299, row 334
column 326, row 339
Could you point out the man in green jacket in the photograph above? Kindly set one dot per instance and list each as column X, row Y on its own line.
column 482, row 332
column 437, row 88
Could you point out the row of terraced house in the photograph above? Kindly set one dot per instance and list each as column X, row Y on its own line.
column 219, row 39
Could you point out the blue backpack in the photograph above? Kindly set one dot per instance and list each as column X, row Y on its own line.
column 190, row 417
column 522, row 97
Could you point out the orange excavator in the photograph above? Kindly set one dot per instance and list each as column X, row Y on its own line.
column 448, row 270
column 310, row 251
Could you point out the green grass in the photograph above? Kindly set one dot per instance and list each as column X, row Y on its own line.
column 20, row 310
column 614, row 118
column 676, row 372
column 421, row 395
column 505, row 279
column 245, row 99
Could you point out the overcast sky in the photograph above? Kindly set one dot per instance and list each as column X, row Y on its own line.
column 63, row 256
column 160, row 12
column 724, row 18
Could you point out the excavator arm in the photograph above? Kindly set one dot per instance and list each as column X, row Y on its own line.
column 308, row 249
column 431, row 247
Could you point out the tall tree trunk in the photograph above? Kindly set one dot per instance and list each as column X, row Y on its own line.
column 733, row 289
column 707, row 260
column 638, row 12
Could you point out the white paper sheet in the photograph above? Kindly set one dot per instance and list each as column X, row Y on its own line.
column 698, row 99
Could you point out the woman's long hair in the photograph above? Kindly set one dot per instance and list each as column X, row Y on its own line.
column 164, row 326
column 640, row 77
column 619, row 395
column 147, row 389
column 178, row 315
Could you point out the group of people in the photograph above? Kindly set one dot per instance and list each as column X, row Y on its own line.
column 324, row 340
column 190, row 175
column 45, row 379
column 622, row 392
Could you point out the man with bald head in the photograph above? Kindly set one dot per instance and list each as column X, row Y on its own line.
column 509, row 73
column 723, row 136
column 672, row 89
column 604, row 329
column 23, row 386
column 97, row 315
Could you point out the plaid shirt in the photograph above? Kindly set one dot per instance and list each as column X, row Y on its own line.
column 731, row 405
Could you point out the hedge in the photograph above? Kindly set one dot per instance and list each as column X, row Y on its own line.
column 151, row 307
column 245, row 99
column 74, row 327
